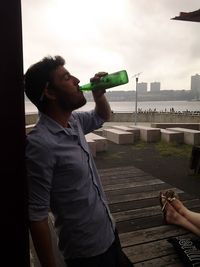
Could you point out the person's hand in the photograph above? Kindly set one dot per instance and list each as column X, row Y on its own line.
column 99, row 92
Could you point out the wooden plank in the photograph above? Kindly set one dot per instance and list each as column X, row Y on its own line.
column 138, row 213
column 119, row 170
column 128, row 184
column 137, row 196
column 150, row 234
column 148, row 211
column 145, row 212
column 149, row 251
column 126, row 179
column 128, row 205
column 135, row 204
column 169, row 260
column 122, row 175
column 139, row 223
column 140, row 203
column 133, row 190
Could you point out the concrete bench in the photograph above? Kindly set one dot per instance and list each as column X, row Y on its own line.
column 118, row 136
column 171, row 136
column 194, row 126
column 148, row 134
column 29, row 128
column 98, row 132
column 100, row 141
column 91, row 144
column 135, row 132
column 191, row 137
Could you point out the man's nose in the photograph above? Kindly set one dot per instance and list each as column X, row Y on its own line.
column 76, row 80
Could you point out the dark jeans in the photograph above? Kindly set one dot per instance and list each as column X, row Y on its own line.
column 113, row 257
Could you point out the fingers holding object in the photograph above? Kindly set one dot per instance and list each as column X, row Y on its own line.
column 98, row 76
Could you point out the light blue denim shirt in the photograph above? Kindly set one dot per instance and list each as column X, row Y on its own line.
column 63, row 179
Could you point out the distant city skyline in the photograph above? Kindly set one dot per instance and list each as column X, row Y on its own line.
column 156, row 85
column 195, row 85
column 111, row 35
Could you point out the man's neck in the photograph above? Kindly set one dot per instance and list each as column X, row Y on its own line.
column 60, row 117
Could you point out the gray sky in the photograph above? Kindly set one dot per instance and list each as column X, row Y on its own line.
column 111, row 35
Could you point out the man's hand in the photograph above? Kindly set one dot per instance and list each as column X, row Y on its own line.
column 98, row 76
column 99, row 92
column 102, row 106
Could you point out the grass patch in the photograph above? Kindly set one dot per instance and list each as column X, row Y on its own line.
column 112, row 156
column 195, row 175
column 173, row 149
column 140, row 144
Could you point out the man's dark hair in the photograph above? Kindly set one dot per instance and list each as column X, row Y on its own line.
column 38, row 76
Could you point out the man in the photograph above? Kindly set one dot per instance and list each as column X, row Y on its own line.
column 62, row 174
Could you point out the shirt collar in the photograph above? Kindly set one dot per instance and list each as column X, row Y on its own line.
column 53, row 126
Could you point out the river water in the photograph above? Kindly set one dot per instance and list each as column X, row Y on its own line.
column 144, row 106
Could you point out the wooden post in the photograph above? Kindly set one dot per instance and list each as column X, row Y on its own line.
column 14, row 236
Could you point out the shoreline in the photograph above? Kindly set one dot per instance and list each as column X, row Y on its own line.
column 144, row 106
column 142, row 117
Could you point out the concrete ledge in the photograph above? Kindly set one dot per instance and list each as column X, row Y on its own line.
column 194, row 126
column 92, row 145
column 118, row 136
column 155, row 117
column 100, row 141
column 29, row 128
column 148, row 134
column 141, row 117
column 171, row 136
column 98, row 132
column 135, row 132
column 191, row 137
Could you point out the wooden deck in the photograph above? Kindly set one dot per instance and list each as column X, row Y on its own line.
column 133, row 200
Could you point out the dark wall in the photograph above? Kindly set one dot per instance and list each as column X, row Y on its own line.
column 13, row 190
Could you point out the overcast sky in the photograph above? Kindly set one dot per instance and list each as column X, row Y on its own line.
column 111, row 35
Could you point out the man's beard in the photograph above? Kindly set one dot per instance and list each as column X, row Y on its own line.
column 70, row 105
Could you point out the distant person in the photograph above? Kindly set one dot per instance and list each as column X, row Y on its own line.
column 174, row 212
column 62, row 174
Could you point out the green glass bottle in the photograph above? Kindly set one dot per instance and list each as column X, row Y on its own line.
column 107, row 81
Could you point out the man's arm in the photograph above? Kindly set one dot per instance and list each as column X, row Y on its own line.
column 102, row 106
column 41, row 237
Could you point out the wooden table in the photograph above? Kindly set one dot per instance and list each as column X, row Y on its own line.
column 134, row 203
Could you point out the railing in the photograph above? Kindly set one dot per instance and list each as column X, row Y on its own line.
column 142, row 116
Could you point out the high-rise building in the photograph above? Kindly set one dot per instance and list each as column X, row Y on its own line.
column 155, row 87
column 195, row 85
column 142, row 87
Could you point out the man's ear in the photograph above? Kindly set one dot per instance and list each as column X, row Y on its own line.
column 49, row 93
